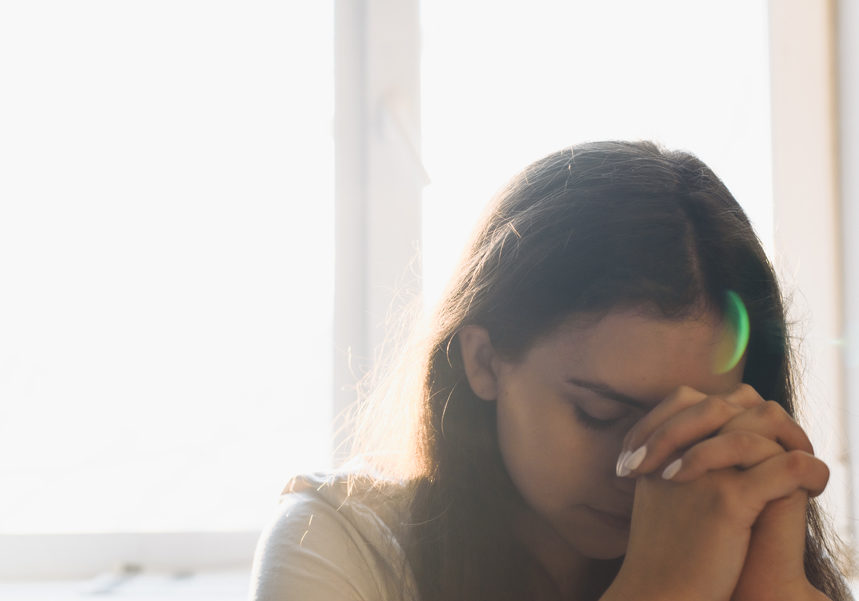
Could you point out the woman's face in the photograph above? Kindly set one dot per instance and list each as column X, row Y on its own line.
column 563, row 411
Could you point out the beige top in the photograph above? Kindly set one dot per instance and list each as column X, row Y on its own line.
column 325, row 545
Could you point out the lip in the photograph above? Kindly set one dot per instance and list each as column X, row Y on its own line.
column 619, row 521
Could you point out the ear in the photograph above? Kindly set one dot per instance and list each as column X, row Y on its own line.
column 478, row 357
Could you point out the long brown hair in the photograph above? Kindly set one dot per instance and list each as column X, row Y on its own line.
column 591, row 228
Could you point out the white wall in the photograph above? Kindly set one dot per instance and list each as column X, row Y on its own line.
column 807, row 217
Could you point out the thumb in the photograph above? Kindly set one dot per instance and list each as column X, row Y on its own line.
column 775, row 557
column 780, row 528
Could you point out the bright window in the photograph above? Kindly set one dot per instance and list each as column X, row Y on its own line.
column 507, row 83
column 166, row 260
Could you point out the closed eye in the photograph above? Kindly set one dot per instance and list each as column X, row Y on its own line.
column 594, row 423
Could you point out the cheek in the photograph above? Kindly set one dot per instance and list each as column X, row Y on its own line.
column 550, row 457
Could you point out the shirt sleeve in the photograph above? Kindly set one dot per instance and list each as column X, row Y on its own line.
column 310, row 552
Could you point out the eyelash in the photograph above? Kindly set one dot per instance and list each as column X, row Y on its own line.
column 591, row 422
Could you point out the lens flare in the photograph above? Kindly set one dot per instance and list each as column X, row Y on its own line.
column 736, row 336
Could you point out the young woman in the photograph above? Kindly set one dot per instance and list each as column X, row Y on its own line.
column 602, row 408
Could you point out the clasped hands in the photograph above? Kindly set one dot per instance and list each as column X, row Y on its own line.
column 722, row 483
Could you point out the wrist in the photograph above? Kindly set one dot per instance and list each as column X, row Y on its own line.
column 621, row 590
column 805, row 592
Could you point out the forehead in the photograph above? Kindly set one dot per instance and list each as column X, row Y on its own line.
column 641, row 356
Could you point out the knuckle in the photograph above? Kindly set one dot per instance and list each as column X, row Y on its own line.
column 796, row 462
column 813, row 462
column 824, row 470
column 717, row 407
column 686, row 392
column 682, row 391
column 742, row 443
column 683, row 395
column 825, row 474
column 748, row 390
column 773, row 411
column 745, row 396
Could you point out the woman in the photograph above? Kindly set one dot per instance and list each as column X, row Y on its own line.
column 602, row 409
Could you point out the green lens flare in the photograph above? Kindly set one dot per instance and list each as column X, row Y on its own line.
column 738, row 318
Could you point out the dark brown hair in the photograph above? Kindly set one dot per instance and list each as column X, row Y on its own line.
column 591, row 228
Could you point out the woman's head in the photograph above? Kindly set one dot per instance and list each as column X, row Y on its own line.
column 586, row 236
column 612, row 225
column 592, row 229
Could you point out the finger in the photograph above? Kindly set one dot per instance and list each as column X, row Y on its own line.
column 682, row 398
column 744, row 396
column 770, row 419
column 740, row 449
column 686, row 427
column 782, row 474
column 678, row 400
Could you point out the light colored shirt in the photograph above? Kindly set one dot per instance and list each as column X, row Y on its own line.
column 323, row 544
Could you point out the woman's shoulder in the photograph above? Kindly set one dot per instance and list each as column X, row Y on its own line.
column 333, row 537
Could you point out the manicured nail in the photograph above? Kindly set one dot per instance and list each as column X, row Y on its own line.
column 672, row 469
column 632, row 461
column 619, row 467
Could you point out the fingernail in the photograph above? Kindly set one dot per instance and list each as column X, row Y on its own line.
column 632, row 461
column 619, row 467
column 672, row 469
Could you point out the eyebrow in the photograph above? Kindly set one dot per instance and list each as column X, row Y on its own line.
column 610, row 393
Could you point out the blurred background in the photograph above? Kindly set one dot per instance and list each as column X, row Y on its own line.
column 209, row 211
